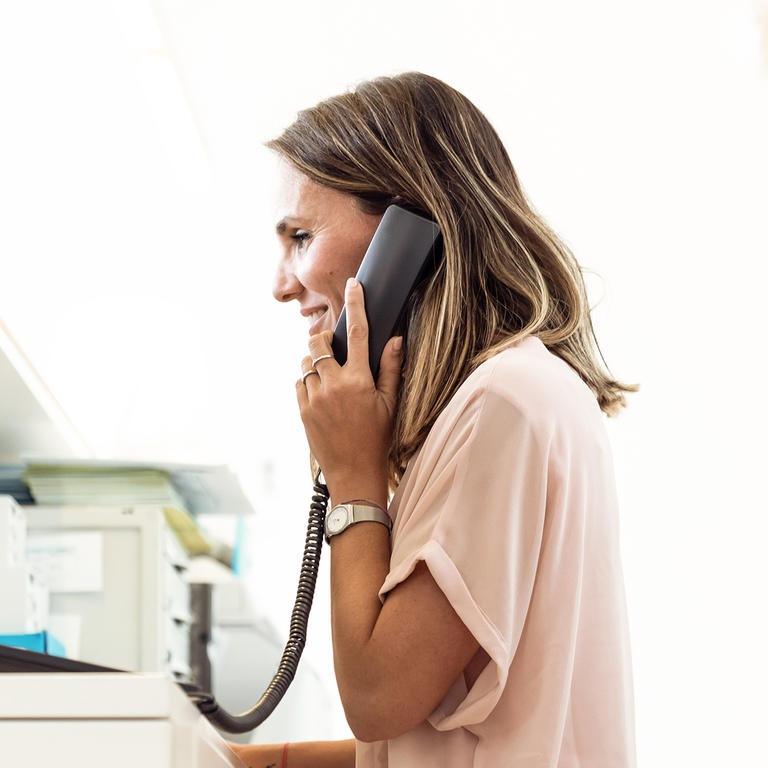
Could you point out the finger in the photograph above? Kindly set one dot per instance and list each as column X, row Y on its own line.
column 357, row 325
column 308, row 372
column 302, row 396
column 321, row 351
column 389, row 369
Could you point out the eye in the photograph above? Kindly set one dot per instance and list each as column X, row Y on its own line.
column 300, row 237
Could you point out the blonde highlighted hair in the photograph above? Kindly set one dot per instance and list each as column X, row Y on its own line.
column 503, row 275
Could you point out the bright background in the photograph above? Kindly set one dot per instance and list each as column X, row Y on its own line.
column 136, row 243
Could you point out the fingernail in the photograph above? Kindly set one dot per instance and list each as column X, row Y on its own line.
column 398, row 343
column 351, row 282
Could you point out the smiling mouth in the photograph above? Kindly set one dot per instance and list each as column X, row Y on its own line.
column 315, row 316
column 315, row 320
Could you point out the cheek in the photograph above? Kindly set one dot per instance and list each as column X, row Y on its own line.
column 349, row 259
column 318, row 269
column 316, row 276
column 328, row 265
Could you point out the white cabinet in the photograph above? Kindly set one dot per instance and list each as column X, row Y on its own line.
column 23, row 592
column 97, row 720
column 132, row 605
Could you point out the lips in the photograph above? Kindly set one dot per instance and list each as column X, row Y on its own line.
column 315, row 316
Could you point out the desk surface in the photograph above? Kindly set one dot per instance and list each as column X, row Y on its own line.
column 97, row 720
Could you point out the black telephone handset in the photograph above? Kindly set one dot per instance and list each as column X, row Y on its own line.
column 401, row 252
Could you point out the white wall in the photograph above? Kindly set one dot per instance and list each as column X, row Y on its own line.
column 137, row 251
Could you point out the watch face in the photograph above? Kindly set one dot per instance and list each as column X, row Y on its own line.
column 337, row 519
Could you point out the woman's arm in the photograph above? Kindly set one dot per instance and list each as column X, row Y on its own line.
column 394, row 662
column 308, row 754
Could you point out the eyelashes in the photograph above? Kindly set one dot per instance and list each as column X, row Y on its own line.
column 300, row 237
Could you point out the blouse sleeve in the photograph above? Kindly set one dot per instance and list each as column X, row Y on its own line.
column 471, row 507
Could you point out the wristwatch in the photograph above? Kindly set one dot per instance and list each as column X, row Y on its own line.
column 342, row 516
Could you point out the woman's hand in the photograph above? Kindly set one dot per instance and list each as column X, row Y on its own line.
column 308, row 754
column 347, row 417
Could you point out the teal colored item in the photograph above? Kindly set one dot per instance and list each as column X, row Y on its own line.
column 42, row 642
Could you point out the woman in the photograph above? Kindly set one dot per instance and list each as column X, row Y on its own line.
column 488, row 627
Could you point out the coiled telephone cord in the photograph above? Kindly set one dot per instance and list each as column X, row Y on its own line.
column 297, row 635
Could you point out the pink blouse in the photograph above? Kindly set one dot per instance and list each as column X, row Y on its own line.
column 511, row 504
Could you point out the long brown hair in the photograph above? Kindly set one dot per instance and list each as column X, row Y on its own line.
column 504, row 275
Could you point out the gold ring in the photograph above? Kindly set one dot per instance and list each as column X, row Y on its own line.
column 308, row 373
column 322, row 357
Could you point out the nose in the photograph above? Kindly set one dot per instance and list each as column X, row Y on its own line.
column 286, row 286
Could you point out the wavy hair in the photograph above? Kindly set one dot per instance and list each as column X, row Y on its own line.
column 504, row 275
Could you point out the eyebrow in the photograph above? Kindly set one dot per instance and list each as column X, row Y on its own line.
column 281, row 226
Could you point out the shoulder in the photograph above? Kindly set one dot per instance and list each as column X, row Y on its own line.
column 523, row 398
column 530, row 381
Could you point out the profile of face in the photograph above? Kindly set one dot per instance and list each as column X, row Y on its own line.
column 323, row 237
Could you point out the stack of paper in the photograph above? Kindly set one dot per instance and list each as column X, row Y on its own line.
column 202, row 489
column 107, row 484
column 89, row 485
column 12, row 483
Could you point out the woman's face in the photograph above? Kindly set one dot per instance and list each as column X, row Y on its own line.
column 323, row 236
